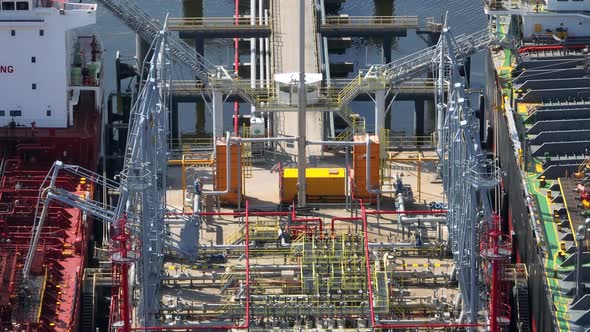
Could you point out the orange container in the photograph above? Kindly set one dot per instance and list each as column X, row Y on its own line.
column 230, row 198
column 359, row 168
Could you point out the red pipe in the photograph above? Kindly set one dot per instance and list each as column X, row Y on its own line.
column 186, row 328
column 406, row 212
column 234, row 214
column 246, row 324
column 426, row 325
column 236, row 67
column 124, row 277
column 548, row 48
column 308, row 220
column 368, row 262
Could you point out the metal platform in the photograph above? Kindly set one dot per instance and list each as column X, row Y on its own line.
column 357, row 26
column 219, row 27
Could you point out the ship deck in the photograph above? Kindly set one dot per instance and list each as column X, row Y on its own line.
column 551, row 116
column 60, row 257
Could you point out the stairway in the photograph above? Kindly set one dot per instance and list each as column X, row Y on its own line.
column 87, row 312
column 346, row 114
column 522, row 304
column 419, row 62
column 236, row 237
column 148, row 28
column 349, row 92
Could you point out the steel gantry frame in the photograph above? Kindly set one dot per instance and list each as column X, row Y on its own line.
column 467, row 176
column 143, row 179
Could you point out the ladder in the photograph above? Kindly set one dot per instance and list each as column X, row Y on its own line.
column 246, row 154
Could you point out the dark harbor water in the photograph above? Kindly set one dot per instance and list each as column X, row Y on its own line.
column 464, row 16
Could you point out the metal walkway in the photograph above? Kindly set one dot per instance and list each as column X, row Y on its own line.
column 349, row 26
column 412, row 65
column 379, row 77
column 219, row 27
column 190, row 90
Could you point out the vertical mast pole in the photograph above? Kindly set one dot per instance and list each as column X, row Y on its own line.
column 301, row 159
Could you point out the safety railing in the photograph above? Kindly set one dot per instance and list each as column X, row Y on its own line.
column 397, row 141
column 408, row 22
column 347, row 93
column 246, row 153
column 235, row 237
column 345, row 135
column 493, row 5
column 188, row 146
column 417, row 63
column 218, row 23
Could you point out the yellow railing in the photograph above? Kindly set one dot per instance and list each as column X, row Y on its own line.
column 411, row 141
column 345, row 135
column 42, row 292
column 350, row 89
column 584, row 165
column 338, row 95
column 229, row 23
column 388, row 21
column 188, row 144
column 235, row 237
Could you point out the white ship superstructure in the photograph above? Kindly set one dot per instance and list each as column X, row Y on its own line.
column 44, row 63
column 559, row 18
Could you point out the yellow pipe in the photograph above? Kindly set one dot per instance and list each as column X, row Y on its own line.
column 179, row 162
column 420, row 178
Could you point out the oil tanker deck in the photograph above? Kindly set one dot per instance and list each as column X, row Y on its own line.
column 539, row 97
column 50, row 108
column 272, row 226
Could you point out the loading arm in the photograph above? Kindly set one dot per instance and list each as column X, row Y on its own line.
column 49, row 192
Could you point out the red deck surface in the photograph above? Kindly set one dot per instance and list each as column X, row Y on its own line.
column 61, row 254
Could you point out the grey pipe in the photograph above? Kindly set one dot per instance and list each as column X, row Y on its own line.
column 371, row 245
column 265, row 139
column 431, row 219
column 401, row 245
column 407, row 321
column 267, row 52
column 335, row 143
column 400, row 206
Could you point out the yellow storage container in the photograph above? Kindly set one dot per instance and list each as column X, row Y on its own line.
column 323, row 184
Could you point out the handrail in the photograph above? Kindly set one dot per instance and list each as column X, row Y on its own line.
column 180, row 23
column 402, row 21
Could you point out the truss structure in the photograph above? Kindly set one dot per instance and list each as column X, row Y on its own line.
column 467, row 176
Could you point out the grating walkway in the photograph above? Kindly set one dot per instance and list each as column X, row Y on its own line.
column 219, row 27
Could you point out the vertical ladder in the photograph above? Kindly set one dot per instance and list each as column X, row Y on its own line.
column 246, row 154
